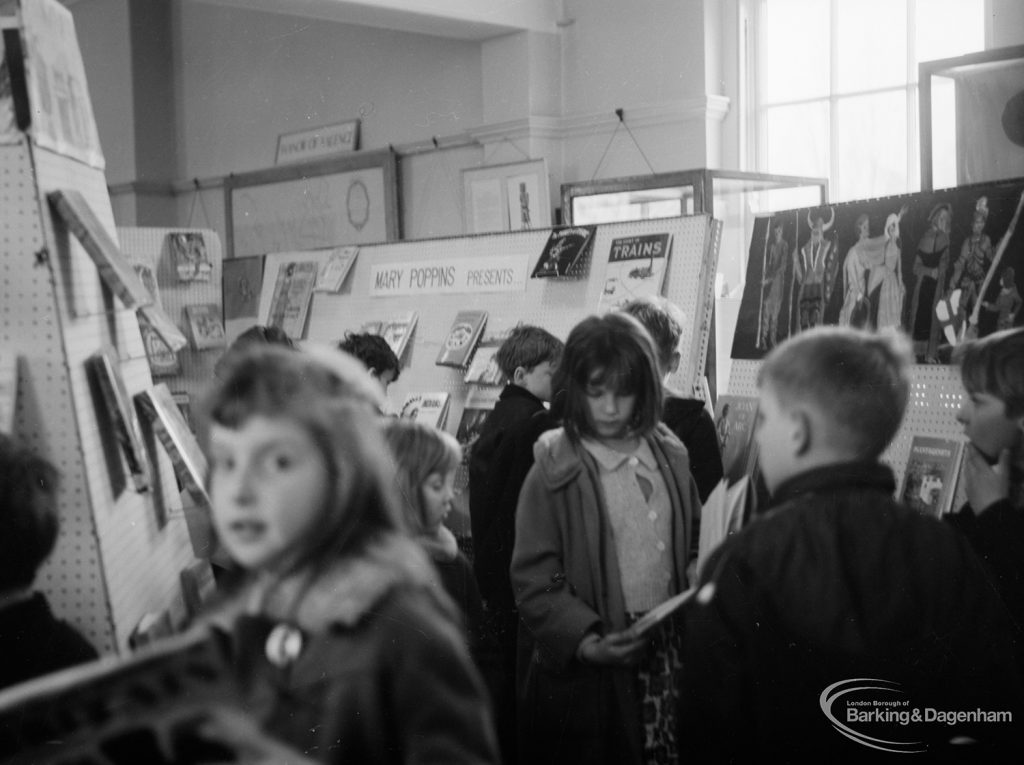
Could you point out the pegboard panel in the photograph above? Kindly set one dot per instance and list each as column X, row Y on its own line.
column 140, row 555
column 935, row 396
column 556, row 305
column 149, row 246
column 30, row 327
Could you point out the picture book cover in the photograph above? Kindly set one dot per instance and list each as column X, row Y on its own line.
column 163, row 362
column 161, row 411
column 114, row 269
column 929, row 479
column 206, row 326
column 140, row 707
column 161, row 323
column 462, row 338
column 636, row 269
column 333, row 273
column 241, row 286
column 117, row 410
column 564, row 252
column 148, row 279
column 734, row 422
column 292, row 292
column 189, row 256
column 479, row 404
column 484, row 369
column 397, row 330
column 428, row 408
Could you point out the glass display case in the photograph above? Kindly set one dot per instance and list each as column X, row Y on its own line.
column 734, row 197
column 972, row 118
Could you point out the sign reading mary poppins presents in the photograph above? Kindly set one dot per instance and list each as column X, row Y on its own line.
column 434, row 277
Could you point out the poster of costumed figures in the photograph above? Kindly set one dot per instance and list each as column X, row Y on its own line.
column 940, row 265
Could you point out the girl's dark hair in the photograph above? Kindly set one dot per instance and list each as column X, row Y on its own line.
column 328, row 401
column 613, row 350
column 28, row 514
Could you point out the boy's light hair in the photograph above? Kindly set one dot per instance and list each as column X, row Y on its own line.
column 859, row 382
column 526, row 347
column 995, row 365
column 419, row 450
column 663, row 320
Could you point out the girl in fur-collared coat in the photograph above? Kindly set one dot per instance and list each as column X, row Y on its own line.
column 344, row 650
column 604, row 532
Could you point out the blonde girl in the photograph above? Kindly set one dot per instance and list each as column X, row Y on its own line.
column 426, row 459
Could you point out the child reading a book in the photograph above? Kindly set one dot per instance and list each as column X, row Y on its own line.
column 604, row 530
column 426, row 459
column 837, row 581
column 33, row 641
column 498, row 463
column 992, row 413
column 344, row 649
column 687, row 417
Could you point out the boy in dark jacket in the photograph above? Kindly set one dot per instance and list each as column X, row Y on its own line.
column 687, row 417
column 840, row 622
column 498, row 463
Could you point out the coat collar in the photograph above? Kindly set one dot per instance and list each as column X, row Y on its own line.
column 561, row 460
column 864, row 475
column 341, row 595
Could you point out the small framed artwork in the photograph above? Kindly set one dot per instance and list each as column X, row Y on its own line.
column 513, row 197
column 105, row 367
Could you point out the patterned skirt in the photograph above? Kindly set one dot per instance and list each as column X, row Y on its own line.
column 658, row 691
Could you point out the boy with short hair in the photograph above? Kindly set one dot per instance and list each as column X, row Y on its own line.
column 33, row 641
column 498, row 463
column 375, row 353
column 838, row 582
column 687, row 417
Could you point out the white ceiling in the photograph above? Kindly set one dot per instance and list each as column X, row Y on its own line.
column 459, row 19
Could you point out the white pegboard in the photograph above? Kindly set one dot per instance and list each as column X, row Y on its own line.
column 149, row 246
column 935, row 396
column 45, row 421
column 556, row 305
column 140, row 557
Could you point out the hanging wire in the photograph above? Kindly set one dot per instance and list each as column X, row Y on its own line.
column 513, row 144
column 622, row 122
column 197, row 195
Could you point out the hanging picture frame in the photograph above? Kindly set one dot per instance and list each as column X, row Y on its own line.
column 512, row 197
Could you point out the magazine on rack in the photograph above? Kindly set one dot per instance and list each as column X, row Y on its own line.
column 564, row 252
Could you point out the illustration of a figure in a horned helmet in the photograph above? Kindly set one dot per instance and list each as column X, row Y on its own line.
column 814, row 270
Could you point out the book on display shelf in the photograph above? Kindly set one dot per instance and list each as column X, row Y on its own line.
column 332, row 274
column 565, row 252
column 426, row 408
column 734, row 425
column 397, row 331
column 205, row 325
column 189, row 255
column 484, row 369
column 105, row 368
column 636, row 269
column 929, row 479
column 462, row 338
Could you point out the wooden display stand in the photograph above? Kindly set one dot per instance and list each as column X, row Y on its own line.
column 115, row 559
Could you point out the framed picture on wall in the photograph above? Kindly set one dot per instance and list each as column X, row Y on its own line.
column 350, row 199
column 513, row 197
